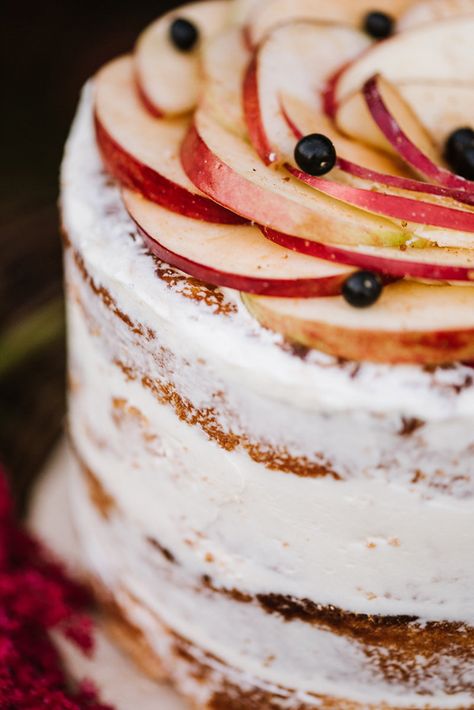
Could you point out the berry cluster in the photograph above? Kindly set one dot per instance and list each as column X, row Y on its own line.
column 35, row 598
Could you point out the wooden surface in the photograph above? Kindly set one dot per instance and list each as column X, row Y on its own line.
column 47, row 51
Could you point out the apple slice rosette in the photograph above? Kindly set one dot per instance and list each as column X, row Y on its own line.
column 223, row 196
column 237, row 257
column 142, row 152
column 168, row 71
column 411, row 323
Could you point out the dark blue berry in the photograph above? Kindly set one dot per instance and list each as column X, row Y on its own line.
column 184, row 34
column 378, row 24
column 315, row 154
column 459, row 152
column 362, row 289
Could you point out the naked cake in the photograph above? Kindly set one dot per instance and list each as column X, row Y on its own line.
column 268, row 212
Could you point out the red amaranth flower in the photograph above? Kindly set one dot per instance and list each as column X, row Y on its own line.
column 36, row 597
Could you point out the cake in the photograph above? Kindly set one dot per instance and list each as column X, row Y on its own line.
column 268, row 217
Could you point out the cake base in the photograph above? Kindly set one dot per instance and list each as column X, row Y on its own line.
column 119, row 680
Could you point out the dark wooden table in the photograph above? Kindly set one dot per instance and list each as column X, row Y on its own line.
column 47, row 51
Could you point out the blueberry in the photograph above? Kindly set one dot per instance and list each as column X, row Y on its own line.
column 459, row 152
column 362, row 289
column 315, row 154
column 184, row 34
column 378, row 24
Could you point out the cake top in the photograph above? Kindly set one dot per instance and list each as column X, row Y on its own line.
column 316, row 157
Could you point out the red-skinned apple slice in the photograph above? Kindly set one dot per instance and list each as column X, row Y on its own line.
column 411, row 323
column 143, row 152
column 406, row 209
column 429, row 264
column 226, row 168
column 237, row 257
column 428, row 11
column 224, row 62
column 439, row 51
column 280, row 66
column 169, row 79
column 268, row 14
column 402, row 129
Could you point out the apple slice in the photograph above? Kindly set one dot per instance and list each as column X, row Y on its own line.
column 169, row 79
column 237, row 257
column 441, row 108
column 143, row 152
column 400, row 126
column 439, row 51
column 429, row 264
column 296, row 61
column 226, row 168
column 224, row 62
column 268, row 14
column 411, row 323
column 429, row 11
column 396, row 206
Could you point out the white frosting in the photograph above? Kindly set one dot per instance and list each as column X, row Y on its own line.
column 373, row 542
column 362, row 545
column 261, row 646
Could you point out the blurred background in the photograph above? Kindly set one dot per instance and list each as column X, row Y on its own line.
column 47, row 51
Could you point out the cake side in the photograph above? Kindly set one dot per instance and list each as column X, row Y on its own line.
column 167, row 361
